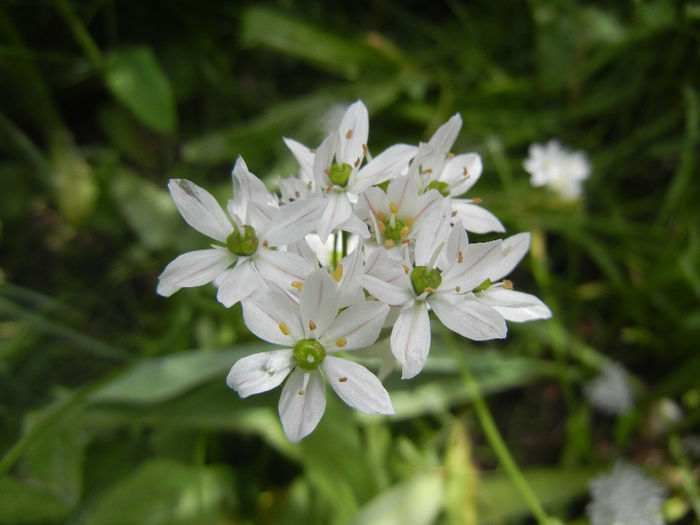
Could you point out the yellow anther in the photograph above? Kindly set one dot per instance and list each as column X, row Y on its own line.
column 458, row 289
column 337, row 274
column 388, row 243
column 312, row 325
column 429, row 289
column 298, row 285
column 393, row 207
column 284, row 328
column 465, row 171
column 357, row 162
column 460, row 257
column 348, row 135
column 301, row 392
column 312, row 150
column 448, row 154
column 508, row 285
column 477, row 200
column 342, row 379
column 329, row 189
column 265, row 244
column 381, row 216
column 405, row 241
column 381, row 227
column 364, row 149
column 409, row 222
column 405, row 268
column 327, row 171
column 341, row 342
column 404, row 231
column 428, row 170
column 454, row 214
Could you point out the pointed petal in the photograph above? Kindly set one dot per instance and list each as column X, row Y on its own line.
column 410, row 339
column 353, row 130
column 434, row 231
column 318, row 302
column 514, row 306
column 238, row 283
column 445, row 136
column 251, row 202
column 393, row 294
column 199, row 209
column 193, row 269
column 357, row 326
column 304, row 156
column 302, row 404
column 404, row 193
column 387, row 165
column 281, row 268
column 357, row 386
column 477, row 265
column 469, row 318
column 293, row 221
column 260, row 372
column 323, row 158
column 462, row 172
column 338, row 210
column 265, row 314
column 514, row 249
column 475, row 218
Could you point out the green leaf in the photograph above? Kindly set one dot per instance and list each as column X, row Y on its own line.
column 417, row 501
column 165, row 492
column 20, row 503
column 73, row 179
column 137, row 81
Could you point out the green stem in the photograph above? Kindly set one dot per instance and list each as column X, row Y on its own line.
column 494, row 437
column 80, row 32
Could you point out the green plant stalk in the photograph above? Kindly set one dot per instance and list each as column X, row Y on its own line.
column 494, row 437
column 80, row 32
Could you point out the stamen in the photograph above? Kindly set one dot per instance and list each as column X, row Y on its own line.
column 312, row 325
column 460, row 258
column 450, row 155
column 477, row 200
column 301, row 392
column 404, row 231
column 381, row 227
column 381, row 216
column 298, row 285
column 348, row 135
column 458, row 288
column 342, row 379
column 364, row 149
column 454, row 214
column 428, row 170
column 409, row 222
column 357, row 162
column 429, row 289
column 406, row 241
column 337, row 274
column 388, row 243
column 265, row 244
column 405, row 268
column 393, row 207
column 465, row 172
column 341, row 342
column 508, row 285
column 327, row 171
column 284, row 328
column 329, row 189
column 312, row 150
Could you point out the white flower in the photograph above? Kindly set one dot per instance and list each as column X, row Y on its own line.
column 562, row 170
column 248, row 238
column 442, row 278
column 435, row 167
column 337, row 173
column 312, row 331
column 610, row 391
column 625, row 497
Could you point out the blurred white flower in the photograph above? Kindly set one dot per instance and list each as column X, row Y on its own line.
column 626, row 496
column 610, row 391
column 562, row 170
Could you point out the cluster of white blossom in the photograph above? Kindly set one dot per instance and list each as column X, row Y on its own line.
column 403, row 212
column 556, row 167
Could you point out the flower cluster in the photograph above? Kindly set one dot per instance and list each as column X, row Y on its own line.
column 355, row 243
column 561, row 170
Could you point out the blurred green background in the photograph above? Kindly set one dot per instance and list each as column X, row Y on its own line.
column 113, row 405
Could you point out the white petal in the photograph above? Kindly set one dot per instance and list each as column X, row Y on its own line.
column 514, row 249
column 357, row 386
column 445, row 136
column 260, row 372
column 353, row 131
column 434, row 231
column 477, row 264
column 237, row 284
column 404, row 193
column 304, row 156
column 199, row 209
column 514, row 306
column 281, row 268
column 193, row 269
column 302, row 404
column 462, row 172
column 393, row 294
column 294, row 220
column 338, row 210
column 323, row 158
column 469, row 318
column 268, row 313
column 475, row 218
column 357, row 326
column 318, row 302
column 410, row 339
column 387, row 165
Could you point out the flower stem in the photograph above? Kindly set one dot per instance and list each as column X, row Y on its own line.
column 494, row 437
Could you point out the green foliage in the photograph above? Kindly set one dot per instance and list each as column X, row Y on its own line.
column 113, row 400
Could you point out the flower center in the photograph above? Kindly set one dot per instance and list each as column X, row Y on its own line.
column 309, row 354
column 442, row 187
column 340, row 174
column 245, row 244
column 425, row 279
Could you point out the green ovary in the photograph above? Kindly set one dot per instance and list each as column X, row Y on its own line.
column 245, row 244
column 309, row 354
column 423, row 278
column 340, row 174
column 394, row 232
column 442, row 187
